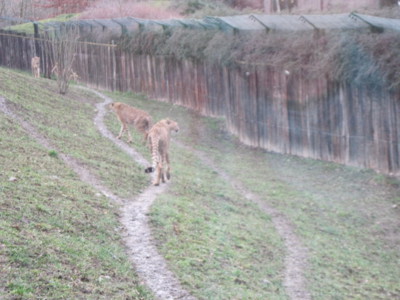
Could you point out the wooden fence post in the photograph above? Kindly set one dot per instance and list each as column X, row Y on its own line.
column 114, row 66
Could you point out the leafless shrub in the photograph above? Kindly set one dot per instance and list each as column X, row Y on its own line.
column 383, row 56
column 220, row 50
column 143, row 42
column 188, row 44
column 73, row 76
column 63, row 43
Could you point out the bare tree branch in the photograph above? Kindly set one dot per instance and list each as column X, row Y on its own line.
column 63, row 44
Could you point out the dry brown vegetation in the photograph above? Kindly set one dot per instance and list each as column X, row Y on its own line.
column 62, row 45
column 349, row 56
column 107, row 10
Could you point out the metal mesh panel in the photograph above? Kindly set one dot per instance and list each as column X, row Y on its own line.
column 240, row 23
column 107, row 30
column 282, row 22
column 385, row 24
column 334, row 22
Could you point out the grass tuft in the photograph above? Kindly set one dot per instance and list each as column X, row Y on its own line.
column 53, row 153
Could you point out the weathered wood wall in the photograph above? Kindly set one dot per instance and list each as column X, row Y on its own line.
column 266, row 108
column 16, row 50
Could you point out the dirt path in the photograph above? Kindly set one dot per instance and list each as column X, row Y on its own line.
column 296, row 258
column 149, row 264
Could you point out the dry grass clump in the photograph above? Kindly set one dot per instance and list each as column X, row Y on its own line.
column 180, row 43
column 382, row 50
column 188, row 46
column 146, row 42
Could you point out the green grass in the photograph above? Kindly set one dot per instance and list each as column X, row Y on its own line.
column 221, row 246
column 218, row 244
column 344, row 217
column 347, row 217
column 27, row 28
column 59, row 238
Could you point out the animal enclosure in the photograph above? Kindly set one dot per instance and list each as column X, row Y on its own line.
column 266, row 107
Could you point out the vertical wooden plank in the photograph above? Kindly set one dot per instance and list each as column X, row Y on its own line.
column 320, row 119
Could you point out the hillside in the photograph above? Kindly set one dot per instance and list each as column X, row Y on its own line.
column 230, row 224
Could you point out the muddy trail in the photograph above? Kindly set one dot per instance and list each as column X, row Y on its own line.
column 141, row 247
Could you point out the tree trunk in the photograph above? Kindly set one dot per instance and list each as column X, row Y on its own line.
column 278, row 6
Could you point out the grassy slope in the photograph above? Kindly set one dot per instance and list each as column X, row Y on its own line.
column 347, row 217
column 220, row 246
column 58, row 237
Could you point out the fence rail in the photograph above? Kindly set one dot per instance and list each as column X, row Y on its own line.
column 264, row 107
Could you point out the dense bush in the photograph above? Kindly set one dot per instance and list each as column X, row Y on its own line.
column 202, row 8
column 362, row 58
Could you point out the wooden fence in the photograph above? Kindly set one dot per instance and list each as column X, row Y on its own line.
column 264, row 107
